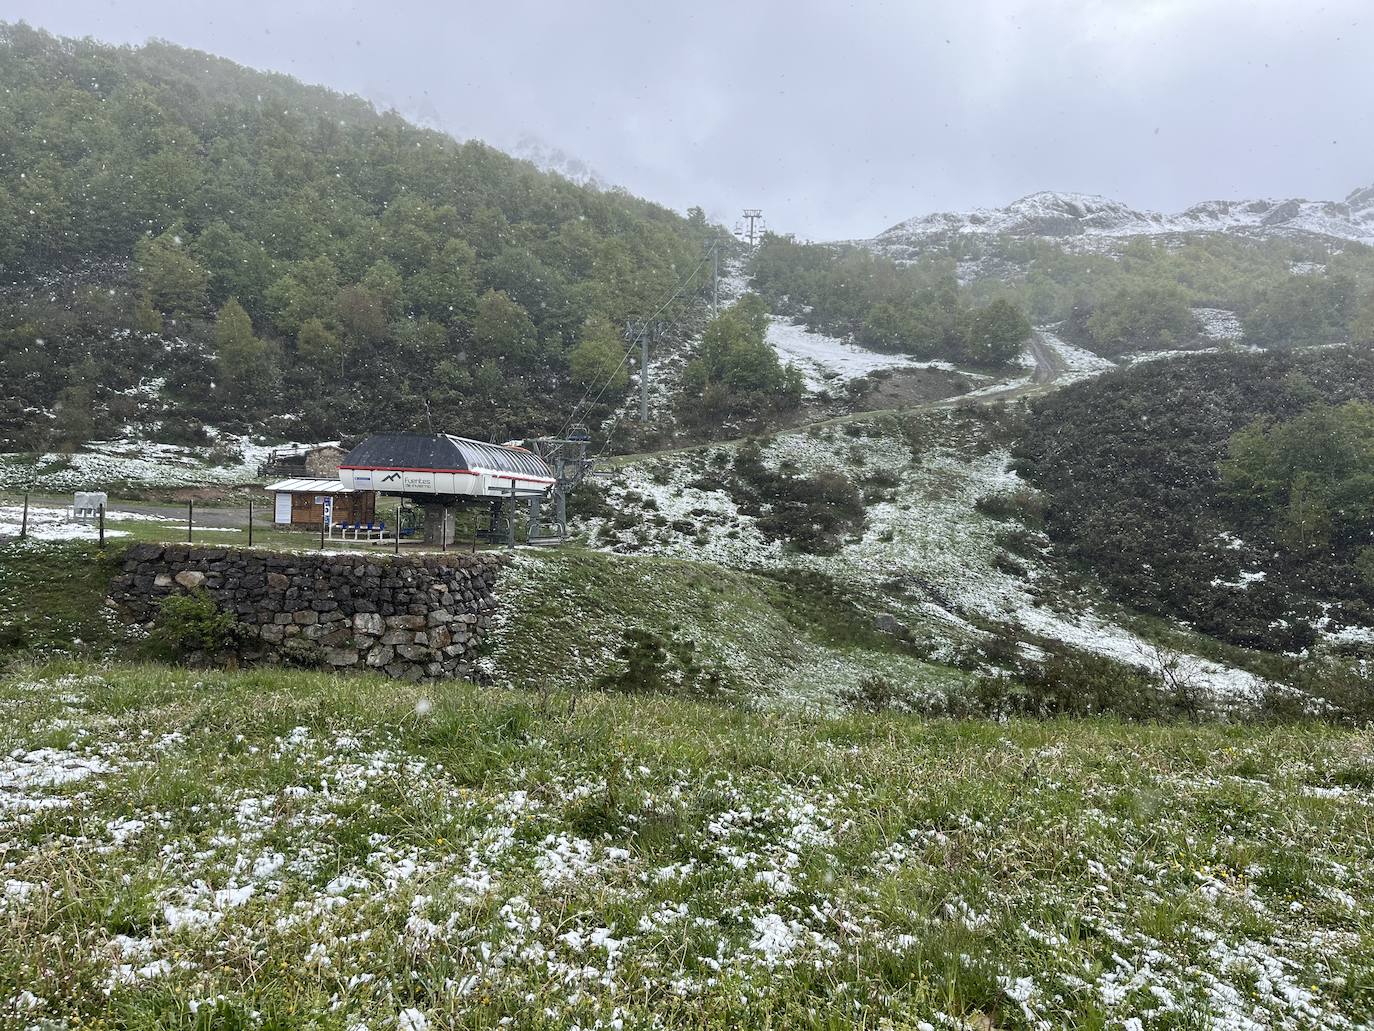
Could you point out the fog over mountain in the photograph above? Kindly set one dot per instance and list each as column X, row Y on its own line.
column 839, row 120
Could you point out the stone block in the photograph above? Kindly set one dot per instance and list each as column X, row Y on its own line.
column 341, row 656
column 369, row 623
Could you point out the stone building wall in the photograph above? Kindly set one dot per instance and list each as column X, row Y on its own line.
column 323, row 462
column 410, row 616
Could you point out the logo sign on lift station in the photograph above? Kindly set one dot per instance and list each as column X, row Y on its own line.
column 419, row 481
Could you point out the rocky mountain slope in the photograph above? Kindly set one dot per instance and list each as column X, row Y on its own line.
column 1086, row 220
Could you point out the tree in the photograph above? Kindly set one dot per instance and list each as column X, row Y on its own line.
column 169, row 276
column 737, row 371
column 1306, row 523
column 1316, row 468
column 308, row 291
column 1138, row 316
column 147, row 319
column 237, row 267
column 503, row 330
column 598, row 357
column 1302, row 311
column 361, row 314
column 244, row 365
column 1362, row 325
column 317, row 348
column 996, row 333
column 446, row 288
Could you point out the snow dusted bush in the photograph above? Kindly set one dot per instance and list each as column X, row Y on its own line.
column 191, row 627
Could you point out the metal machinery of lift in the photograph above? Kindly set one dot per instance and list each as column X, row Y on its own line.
column 567, row 457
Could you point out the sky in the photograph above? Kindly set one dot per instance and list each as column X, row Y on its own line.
column 837, row 119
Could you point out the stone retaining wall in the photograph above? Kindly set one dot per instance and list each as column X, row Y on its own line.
column 413, row 617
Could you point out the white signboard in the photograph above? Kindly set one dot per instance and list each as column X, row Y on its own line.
column 282, row 512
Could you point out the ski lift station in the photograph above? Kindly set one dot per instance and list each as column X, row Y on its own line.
column 438, row 471
column 428, row 467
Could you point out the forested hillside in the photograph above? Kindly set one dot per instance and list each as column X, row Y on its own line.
column 1146, row 293
column 1235, row 492
column 186, row 241
column 918, row 309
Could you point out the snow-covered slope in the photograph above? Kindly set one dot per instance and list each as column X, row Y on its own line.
column 1069, row 217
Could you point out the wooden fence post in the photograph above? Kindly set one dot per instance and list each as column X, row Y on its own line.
column 24, row 519
column 102, row 524
column 190, row 519
column 250, row 522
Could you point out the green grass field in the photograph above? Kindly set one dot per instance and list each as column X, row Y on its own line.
column 283, row 849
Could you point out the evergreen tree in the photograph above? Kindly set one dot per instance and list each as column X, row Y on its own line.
column 244, row 365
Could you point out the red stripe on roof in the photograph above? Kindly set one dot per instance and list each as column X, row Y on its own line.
column 410, row 469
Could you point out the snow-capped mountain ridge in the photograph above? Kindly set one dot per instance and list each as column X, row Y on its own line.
column 1063, row 216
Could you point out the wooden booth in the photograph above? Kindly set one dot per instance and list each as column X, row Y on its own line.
column 301, row 502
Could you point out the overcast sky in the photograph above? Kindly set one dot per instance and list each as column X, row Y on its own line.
column 838, row 119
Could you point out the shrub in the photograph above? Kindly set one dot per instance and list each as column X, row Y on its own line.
column 814, row 514
column 1023, row 505
column 1344, row 688
column 191, row 627
column 1018, row 542
column 875, row 693
column 1072, row 684
column 652, row 663
column 589, row 502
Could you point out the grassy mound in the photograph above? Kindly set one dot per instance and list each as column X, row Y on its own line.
column 52, row 597
column 578, row 619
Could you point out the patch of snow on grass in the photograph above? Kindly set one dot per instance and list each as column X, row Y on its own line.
column 51, row 524
column 1219, row 324
column 47, row 767
column 826, row 359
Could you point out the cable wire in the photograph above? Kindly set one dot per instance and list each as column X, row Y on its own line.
column 610, row 378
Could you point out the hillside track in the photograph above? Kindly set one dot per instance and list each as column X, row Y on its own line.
column 1049, row 367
